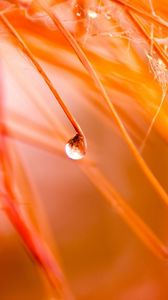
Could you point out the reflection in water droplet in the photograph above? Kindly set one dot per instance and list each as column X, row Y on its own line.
column 76, row 147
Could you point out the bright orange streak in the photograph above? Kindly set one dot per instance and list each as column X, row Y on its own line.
column 82, row 57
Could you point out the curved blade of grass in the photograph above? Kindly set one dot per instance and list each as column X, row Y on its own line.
column 104, row 187
column 31, row 238
column 88, row 66
column 26, row 50
column 156, row 19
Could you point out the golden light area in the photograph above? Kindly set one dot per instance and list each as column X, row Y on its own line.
column 83, row 150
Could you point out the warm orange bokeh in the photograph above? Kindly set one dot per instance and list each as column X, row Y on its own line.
column 83, row 215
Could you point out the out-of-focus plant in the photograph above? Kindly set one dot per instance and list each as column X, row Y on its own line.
column 99, row 68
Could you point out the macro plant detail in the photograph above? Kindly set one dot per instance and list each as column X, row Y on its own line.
column 85, row 80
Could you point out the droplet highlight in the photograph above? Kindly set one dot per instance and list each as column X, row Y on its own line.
column 78, row 13
column 76, row 147
column 92, row 14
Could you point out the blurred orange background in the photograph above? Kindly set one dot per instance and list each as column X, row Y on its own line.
column 100, row 255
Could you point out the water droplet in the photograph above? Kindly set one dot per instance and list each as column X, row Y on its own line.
column 78, row 11
column 78, row 14
column 92, row 14
column 76, row 147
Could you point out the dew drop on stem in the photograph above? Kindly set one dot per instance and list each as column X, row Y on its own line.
column 76, row 147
